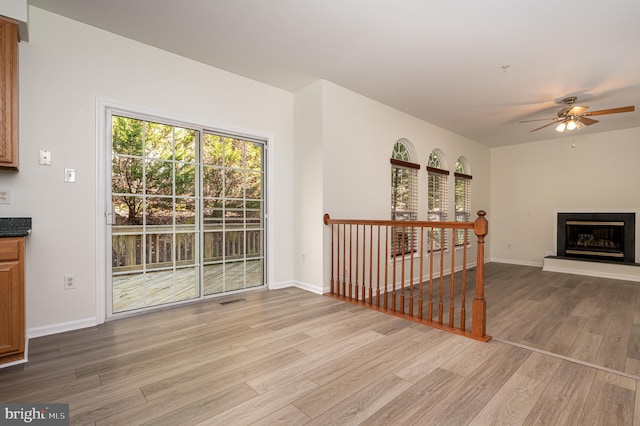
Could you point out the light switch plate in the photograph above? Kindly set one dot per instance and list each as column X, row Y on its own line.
column 70, row 175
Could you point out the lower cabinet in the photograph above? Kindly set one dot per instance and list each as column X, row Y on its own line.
column 12, row 325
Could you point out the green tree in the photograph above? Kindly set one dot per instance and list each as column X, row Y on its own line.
column 145, row 155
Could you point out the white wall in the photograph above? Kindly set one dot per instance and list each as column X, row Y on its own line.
column 308, row 190
column 358, row 135
column 530, row 182
column 63, row 69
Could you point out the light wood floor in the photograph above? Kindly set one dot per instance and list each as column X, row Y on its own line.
column 293, row 357
column 595, row 320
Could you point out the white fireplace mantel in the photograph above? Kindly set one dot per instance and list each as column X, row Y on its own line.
column 627, row 272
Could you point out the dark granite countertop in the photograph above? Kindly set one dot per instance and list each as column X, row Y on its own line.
column 15, row 226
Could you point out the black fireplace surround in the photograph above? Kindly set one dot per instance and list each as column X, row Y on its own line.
column 606, row 237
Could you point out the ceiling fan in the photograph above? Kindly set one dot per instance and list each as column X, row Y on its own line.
column 575, row 116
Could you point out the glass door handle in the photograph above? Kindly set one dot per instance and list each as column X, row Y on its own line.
column 110, row 214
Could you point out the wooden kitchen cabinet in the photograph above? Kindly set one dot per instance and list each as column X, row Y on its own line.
column 8, row 94
column 12, row 326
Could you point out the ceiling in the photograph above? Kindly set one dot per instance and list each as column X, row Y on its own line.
column 475, row 68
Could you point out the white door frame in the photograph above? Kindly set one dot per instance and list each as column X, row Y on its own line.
column 103, row 157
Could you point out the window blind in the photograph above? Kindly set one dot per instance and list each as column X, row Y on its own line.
column 437, row 202
column 404, row 203
column 463, row 204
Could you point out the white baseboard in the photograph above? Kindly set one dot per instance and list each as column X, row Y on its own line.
column 308, row 287
column 593, row 269
column 299, row 284
column 517, row 262
column 11, row 364
column 61, row 327
column 283, row 284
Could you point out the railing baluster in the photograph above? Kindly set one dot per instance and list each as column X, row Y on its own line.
column 337, row 259
column 430, row 303
column 333, row 281
column 441, row 300
column 452, row 289
column 344, row 259
column 400, row 237
column 131, row 250
column 411, row 236
column 370, row 264
column 355, row 284
column 147, row 250
column 463, row 309
column 420, row 315
column 404, row 249
column 364, row 262
column 378, row 271
column 386, row 265
column 395, row 258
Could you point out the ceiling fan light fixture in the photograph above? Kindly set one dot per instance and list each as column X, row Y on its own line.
column 574, row 117
column 561, row 127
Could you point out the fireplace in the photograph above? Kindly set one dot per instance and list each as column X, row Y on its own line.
column 597, row 236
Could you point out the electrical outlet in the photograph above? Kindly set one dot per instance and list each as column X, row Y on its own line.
column 5, row 196
column 44, row 157
column 70, row 282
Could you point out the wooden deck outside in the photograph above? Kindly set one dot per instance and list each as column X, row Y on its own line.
column 138, row 290
column 227, row 252
column 293, row 357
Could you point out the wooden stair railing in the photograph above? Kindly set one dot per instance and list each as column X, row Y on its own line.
column 397, row 266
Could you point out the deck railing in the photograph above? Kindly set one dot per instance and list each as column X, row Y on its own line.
column 131, row 247
column 398, row 267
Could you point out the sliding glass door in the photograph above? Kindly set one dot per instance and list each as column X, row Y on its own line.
column 187, row 213
column 233, row 183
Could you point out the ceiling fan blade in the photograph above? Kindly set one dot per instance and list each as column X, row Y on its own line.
column 587, row 121
column 546, row 125
column 611, row 111
column 577, row 110
column 538, row 119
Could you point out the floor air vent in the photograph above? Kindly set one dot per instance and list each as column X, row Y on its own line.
column 227, row 302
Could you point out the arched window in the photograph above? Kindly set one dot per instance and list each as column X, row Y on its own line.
column 463, row 197
column 404, row 184
column 400, row 152
column 404, row 194
column 437, row 193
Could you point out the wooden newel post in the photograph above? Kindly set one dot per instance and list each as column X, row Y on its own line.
column 479, row 307
column 325, row 219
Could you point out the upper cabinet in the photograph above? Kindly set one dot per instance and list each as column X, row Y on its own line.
column 8, row 94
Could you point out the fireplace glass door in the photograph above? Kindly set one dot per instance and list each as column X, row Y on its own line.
column 595, row 238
